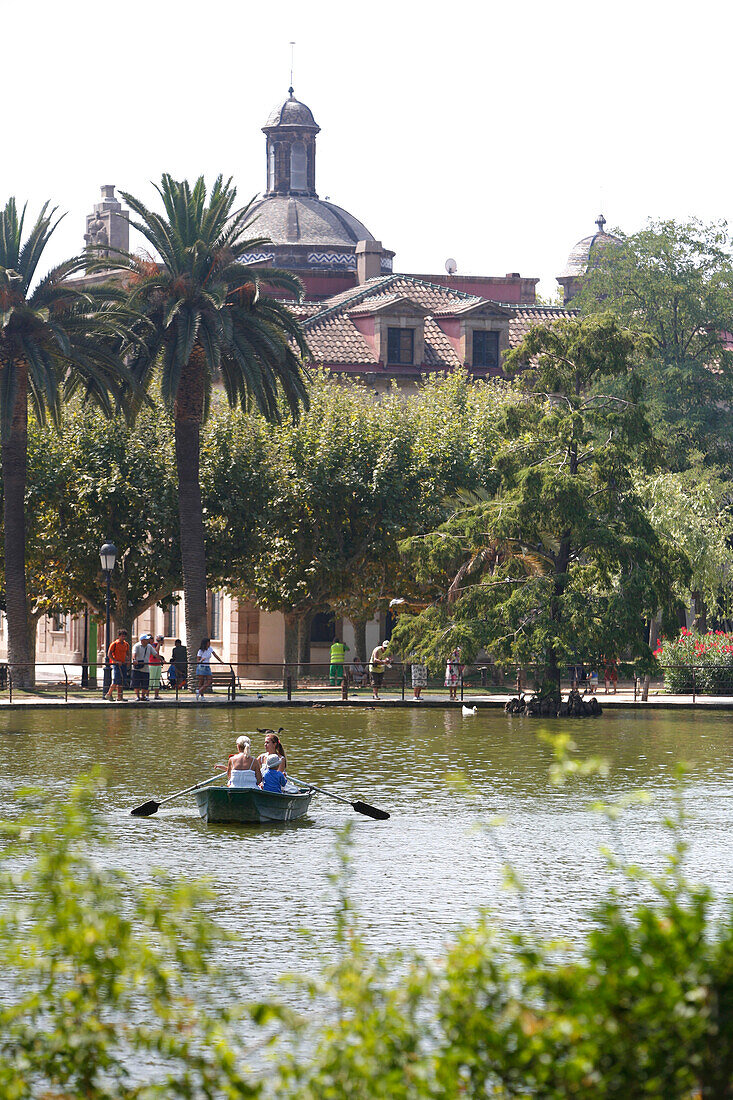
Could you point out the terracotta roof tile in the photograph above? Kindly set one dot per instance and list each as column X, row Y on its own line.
column 439, row 351
column 526, row 317
column 334, row 339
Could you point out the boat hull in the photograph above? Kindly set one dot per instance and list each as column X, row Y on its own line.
column 247, row 806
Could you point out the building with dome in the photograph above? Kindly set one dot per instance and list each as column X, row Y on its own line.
column 582, row 256
column 361, row 318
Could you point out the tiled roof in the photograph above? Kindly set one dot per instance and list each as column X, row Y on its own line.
column 379, row 300
column 303, row 310
column 526, row 317
column 438, row 348
column 334, row 339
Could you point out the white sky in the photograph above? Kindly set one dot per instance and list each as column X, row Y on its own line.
column 490, row 132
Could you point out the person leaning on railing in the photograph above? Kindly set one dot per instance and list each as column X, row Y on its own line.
column 338, row 656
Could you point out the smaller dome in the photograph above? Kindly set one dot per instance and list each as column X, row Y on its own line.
column 291, row 113
column 580, row 255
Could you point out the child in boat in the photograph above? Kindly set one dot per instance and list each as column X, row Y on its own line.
column 273, row 779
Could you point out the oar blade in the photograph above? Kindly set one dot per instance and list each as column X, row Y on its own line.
column 370, row 811
column 146, row 810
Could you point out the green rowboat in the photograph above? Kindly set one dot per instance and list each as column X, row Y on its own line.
column 248, row 806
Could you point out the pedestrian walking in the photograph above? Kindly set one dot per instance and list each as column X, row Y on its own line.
column 179, row 660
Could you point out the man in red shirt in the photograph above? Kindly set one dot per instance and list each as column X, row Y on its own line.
column 119, row 653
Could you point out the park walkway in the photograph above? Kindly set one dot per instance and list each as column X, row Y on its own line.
column 52, row 697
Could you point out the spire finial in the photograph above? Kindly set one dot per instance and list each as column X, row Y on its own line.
column 292, row 60
column 600, row 222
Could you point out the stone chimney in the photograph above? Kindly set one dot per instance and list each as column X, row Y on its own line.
column 368, row 260
column 107, row 225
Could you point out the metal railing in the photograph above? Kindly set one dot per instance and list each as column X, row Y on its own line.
column 250, row 680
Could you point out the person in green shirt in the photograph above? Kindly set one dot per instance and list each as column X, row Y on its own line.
column 338, row 656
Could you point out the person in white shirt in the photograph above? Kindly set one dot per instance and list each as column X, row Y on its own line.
column 141, row 653
column 203, row 667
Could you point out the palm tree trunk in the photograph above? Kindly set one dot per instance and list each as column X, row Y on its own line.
column 15, row 466
column 188, row 413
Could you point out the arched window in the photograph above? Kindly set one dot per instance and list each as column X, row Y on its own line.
column 271, row 168
column 298, row 167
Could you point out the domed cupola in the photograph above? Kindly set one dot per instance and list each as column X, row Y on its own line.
column 310, row 236
column 581, row 256
column 291, row 149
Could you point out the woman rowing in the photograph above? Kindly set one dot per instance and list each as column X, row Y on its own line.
column 273, row 744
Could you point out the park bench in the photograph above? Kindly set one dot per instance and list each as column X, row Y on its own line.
column 225, row 679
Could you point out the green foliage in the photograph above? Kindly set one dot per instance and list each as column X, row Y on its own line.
column 557, row 555
column 644, row 1007
column 109, row 990
column 206, row 314
column 97, row 479
column 691, row 510
column 55, row 334
column 353, row 477
column 673, row 283
column 710, row 655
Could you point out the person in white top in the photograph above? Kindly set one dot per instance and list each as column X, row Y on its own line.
column 141, row 653
column 203, row 667
column 243, row 770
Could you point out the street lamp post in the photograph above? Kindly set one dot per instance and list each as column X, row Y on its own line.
column 108, row 557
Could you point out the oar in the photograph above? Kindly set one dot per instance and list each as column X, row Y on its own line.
column 360, row 807
column 152, row 807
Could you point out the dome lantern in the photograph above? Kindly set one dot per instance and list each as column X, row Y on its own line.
column 291, row 148
column 582, row 256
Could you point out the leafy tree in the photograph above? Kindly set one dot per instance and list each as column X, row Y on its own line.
column 97, row 479
column 673, row 282
column 691, row 510
column 207, row 316
column 54, row 338
column 559, row 555
column 352, row 478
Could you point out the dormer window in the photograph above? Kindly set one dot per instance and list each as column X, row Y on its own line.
column 485, row 349
column 401, row 346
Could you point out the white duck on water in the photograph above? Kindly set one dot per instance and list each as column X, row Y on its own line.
column 468, row 711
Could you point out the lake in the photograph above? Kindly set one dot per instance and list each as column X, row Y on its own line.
column 426, row 871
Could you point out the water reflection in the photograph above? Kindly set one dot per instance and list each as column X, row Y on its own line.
column 427, row 870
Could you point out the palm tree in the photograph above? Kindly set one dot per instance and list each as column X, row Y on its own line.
column 55, row 337
column 208, row 317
